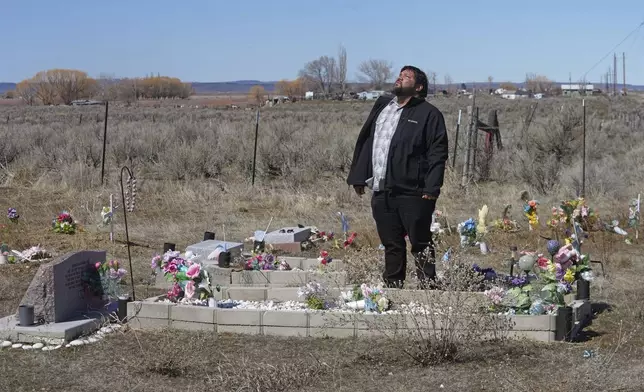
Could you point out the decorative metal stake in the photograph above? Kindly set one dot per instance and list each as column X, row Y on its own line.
column 127, row 207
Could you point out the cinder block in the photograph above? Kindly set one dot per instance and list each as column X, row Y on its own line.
column 314, row 264
column 539, row 336
column 293, row 262
column 246, row 293
column 282, row 294
column 190, row 326
column 250, row 277
column 298, row 278
column 331, row 332
column 332, row 320
column 191, row 313
column 148, row 323
column 332, row 279
column 148, row 310
column 543, row 322
column 240, row 329
column 248, row 317
column 285, row 331
column 218, row 276
column 380, row 321
column 582, row 312
column 285, row 319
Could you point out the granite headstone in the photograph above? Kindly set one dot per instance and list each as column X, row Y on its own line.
column 66, row 287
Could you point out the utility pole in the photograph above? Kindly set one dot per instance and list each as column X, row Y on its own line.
column 624, row 71
column 615, row 73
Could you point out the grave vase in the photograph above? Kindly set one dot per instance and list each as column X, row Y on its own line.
column 26, row 315
column 122, row 308
column 112, row 305
column 563, row 323
column 583, row 289
column 3, row 259
column 224, row 259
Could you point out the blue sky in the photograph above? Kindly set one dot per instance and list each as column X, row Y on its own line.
column 216, row 40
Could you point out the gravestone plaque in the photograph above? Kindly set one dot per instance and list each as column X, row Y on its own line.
column 204, row 248
column 66, row 287
column 288, row 235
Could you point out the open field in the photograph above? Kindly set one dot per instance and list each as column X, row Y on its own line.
column 193, row 168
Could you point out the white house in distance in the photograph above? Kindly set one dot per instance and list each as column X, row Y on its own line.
column 570, row 89
column 370, row 95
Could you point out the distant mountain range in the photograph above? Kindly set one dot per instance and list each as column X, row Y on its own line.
column 243, row 86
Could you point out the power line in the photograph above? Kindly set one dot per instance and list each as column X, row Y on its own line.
column 612, row 50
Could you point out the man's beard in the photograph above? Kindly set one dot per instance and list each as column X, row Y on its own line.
column 401, row 91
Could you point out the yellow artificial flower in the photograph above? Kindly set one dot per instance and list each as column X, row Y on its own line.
column 569, row 276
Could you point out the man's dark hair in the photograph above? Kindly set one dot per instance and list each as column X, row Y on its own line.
column 421, row 79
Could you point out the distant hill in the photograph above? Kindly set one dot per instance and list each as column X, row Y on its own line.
column 244, row 86
column 4, row 87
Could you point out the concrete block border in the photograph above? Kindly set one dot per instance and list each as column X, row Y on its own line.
column 148, row 314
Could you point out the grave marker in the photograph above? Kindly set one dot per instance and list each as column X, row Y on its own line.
column 60, row 289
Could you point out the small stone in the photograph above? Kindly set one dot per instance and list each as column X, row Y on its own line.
column 6, row 344
column 76, row 343
column 38, row 346
column 68, row 345
column 16, row 345
column 116, row 327
column 46, row 348
column 56, row 347
column 92, row 339
column 107, row 330
column 27, row 347
column 85, row 341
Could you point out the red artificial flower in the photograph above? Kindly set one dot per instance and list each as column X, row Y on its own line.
column 324, row 254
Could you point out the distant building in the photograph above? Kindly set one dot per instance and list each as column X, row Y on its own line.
column 519, row 94
column 370, row 95
column 309, row 95
column 577, row 89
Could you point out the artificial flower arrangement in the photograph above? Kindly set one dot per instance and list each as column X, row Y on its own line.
column 12, row 215
column 323, row 236
column 190, row 280
column 314, row 295
column 265, row 261
column 544, row 292
column 573, row 211
column 467, row 231
column 505, row 223
column 64, row 223
column 348, row 242
column 530, row 211
column 5, row 255
column 106, row 216
column 324, row 258
column 375, row 298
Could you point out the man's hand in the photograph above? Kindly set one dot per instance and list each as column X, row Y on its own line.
column 429, row 197
column 359, row 190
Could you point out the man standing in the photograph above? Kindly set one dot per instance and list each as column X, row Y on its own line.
column 400, row 155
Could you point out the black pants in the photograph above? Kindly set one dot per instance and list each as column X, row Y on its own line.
column 395, row 216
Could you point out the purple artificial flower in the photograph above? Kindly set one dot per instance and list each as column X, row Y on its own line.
column 518, row 281
column 12, row 214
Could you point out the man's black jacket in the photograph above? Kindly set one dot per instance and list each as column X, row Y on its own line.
column 417, row 153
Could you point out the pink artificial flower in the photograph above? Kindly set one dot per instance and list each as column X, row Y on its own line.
column 193, row 271
column 171, row 268
column 190, row 288
column 97, row 265
column 175, row 291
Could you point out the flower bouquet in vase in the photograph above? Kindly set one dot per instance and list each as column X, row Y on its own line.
column 190, row 280
column 111, row 274
column 314, row 295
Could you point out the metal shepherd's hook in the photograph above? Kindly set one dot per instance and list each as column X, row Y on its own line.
column 127, row 206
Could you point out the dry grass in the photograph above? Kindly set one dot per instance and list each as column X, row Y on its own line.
column 193, row 167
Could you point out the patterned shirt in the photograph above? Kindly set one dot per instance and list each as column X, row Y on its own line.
column 386, row 125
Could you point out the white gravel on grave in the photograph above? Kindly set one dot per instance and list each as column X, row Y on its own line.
column 55, row 344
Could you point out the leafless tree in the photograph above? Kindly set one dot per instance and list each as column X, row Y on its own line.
column 489, row 83
column 538, row 83
column 321, row 73
column 341, row 71
column 376, row 72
